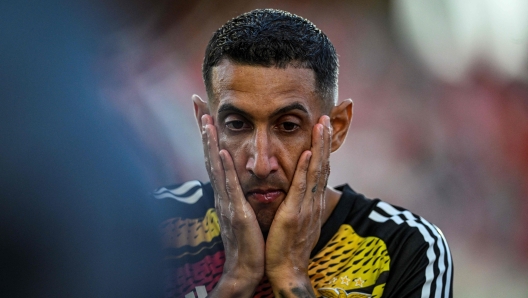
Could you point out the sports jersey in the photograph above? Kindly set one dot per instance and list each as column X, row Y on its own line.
column 367, row 248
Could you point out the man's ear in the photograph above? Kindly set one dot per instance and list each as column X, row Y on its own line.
column 340, row 118
column 200, row 108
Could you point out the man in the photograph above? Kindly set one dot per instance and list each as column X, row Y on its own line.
column 267, row 224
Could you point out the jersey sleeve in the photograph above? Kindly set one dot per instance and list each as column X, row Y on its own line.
column 421, row 265
column 190, row 239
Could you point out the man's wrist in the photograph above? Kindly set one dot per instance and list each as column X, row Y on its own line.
column 291, row 283
column 230, row 286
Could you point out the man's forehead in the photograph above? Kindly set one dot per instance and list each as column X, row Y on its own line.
column 232, row 80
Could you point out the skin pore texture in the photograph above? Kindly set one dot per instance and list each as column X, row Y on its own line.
column 267, row 139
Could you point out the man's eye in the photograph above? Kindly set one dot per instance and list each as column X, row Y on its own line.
column 236, row 125
column 289, row 126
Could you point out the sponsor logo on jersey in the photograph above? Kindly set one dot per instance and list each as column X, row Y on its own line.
column 340, row 293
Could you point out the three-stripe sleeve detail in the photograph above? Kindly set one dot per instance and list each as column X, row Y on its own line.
column 189, row 192
column 438, row 252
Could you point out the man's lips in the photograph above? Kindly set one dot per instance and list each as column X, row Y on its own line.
column 264, row 196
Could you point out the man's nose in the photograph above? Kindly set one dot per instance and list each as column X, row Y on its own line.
column 262, row 160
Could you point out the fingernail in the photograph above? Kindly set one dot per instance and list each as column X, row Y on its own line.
column 327, row 121
column 205, row 121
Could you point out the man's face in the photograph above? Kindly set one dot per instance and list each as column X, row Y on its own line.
column 264, row 118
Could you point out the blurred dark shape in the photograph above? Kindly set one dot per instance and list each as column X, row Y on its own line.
column 74, row 215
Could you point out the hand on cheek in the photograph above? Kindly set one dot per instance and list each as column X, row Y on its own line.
column 240, row 232
column 297, row 223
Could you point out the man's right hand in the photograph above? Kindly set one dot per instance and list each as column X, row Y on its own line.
column 241, row 234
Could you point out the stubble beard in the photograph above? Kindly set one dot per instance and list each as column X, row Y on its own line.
column 265, row 218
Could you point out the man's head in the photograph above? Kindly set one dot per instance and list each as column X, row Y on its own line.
column 274, row 38
column 270, row 76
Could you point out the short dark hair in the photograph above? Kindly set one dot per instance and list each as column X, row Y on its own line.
column 270, row 37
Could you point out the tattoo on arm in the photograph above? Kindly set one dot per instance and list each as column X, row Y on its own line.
column 297, row 292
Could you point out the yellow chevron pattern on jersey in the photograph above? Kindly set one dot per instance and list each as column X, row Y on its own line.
column 349, row 262
column 177, row 232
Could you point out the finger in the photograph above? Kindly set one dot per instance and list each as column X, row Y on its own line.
column 213, row 162
column 298, row 188
column 327, row 137
column 241, row 214
column 325, row 165
column 327, row 146
column 205, row 145
column 315, row 167
column 232, row 185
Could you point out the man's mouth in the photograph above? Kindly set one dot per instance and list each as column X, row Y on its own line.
column 264, row 196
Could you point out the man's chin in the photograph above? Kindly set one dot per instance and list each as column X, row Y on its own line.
column 265, row 218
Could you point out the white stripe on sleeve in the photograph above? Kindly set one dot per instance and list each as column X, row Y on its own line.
column 429, row 237
column 180, row 190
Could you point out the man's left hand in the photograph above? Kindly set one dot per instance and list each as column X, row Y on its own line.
column 297, row 223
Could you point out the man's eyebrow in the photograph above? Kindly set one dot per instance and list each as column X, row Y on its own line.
column 293, row 106
column 290, row 107
column 231, row 108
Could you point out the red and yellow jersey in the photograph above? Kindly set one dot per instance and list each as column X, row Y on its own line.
column 367, row 248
